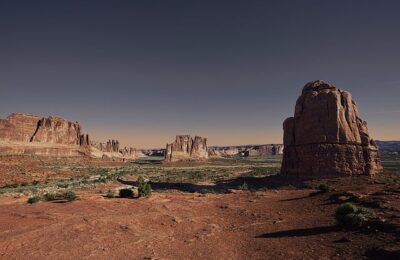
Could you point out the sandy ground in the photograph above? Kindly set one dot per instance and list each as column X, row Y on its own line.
column 283, row 224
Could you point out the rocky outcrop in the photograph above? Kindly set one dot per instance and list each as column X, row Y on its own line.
column 59, row 131
column 49, row 136
column 111, row 149
column 28, row 128
column 18, row 127
column 326, row 136
column 186, row 148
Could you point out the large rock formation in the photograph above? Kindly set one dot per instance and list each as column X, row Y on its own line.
column 50, row 136
column 186, row 148
column 111, row 149
column 326, row 136
column 28, row 128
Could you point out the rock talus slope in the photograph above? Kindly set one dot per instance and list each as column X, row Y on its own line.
column 326, row 136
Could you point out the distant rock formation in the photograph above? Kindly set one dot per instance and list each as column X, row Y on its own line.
column 186, row 148
column 326, row 136
column 246, row 150
column 28, row 128
column 52, row 136
column 111, row 149
column 60, row 131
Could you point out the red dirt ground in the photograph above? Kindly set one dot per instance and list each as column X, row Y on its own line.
column 281, row 224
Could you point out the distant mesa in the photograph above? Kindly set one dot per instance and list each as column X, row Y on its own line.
column 326, row 136
column 23, row 134
column 186, row 148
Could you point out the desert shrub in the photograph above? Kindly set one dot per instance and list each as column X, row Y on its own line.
column 323, row 187
column 125, row 193
column 35, row 182
column 50, row 196
column 109, row 194
column 33, row 199
column 243, row 186
column 349, row 215
column 144, row 188
column 69, row 195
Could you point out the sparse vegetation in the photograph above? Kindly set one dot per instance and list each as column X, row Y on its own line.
column 144, row 188
column 68, row 195
column 243, row 186
column 351, row 216
column 33, row 199
column 323, row 187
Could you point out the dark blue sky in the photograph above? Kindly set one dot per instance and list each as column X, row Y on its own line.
column 143, row 71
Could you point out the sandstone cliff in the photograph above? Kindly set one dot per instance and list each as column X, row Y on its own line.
column 186, row 148
column 29, row 134
column 326, row 136
column 111, row 149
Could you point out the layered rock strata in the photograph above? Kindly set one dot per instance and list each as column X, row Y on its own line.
column 29, row 134
column 186, row 148
column 327, row 137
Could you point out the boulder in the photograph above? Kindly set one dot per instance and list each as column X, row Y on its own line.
column 326, row 136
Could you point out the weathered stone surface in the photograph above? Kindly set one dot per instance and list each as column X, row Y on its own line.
column 50, row 136
column 112, row 150
column 326, row 136
column 187, row 148
column 58, row 131
column 18, row 127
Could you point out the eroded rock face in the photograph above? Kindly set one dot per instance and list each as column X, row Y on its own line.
column 59, row 131
column 48, row 136
column 187, row 148
column 326, row 136
column 18, row 127
column 28, row 128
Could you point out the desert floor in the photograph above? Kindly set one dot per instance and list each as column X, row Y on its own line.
column 203, row 211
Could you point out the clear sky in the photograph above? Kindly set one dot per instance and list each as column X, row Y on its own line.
column 144, row 71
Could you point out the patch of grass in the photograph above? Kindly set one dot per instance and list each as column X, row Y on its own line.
column 34, row 199
column 351, row 216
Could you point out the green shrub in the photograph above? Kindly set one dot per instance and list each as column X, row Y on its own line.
column 243, row 186
column 33, row 199
column 69, row 195
column 349, row 215
column 125, row 193
column 144, row 188
column 323, row 187
column 50, row 196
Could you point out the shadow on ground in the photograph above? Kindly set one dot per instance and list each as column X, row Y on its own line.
column 253, row 183
column 301, row 232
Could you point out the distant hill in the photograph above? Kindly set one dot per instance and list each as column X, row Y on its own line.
column 389, row 146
